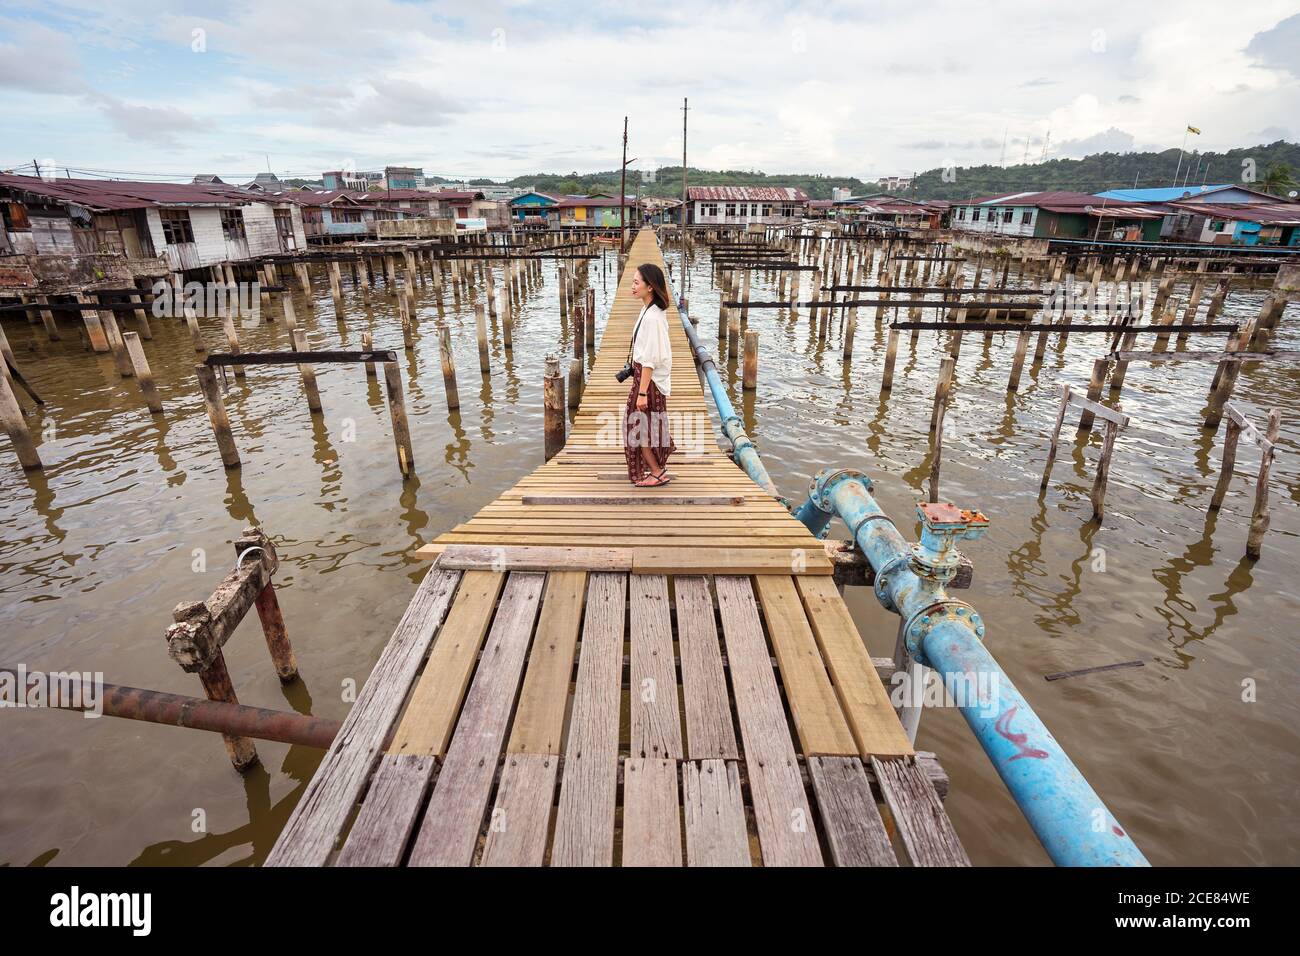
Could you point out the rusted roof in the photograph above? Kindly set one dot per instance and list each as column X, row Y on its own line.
column 114, row 194
column 1279, row 213
column 320, row 198
column 457, row 195
column 404, row 195
column 748, row 193
column 575, row 201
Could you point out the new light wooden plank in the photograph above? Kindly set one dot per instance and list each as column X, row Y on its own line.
column 714, row 809
column 923, row 824
column 449, row 833
column 816, row 710
column 317, row 821
column 785, row 824
column 709, row 730
column 525, row 558
column 387, row 817
column 426, row 726
column 584, row 823
column 862, row 696
column 539, row 720
column 648, row 497
column 517, row 826
column 731, row 561
column 652, row 826
column 850, row 818
column 656, row 720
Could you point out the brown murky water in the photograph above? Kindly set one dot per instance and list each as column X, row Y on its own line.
column 99, row 548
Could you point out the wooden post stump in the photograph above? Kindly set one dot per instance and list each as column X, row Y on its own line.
column 216, row 408
column 11, row 417
column 553, row 407
column 143, row 374
column 397, row 411
column 299, row 339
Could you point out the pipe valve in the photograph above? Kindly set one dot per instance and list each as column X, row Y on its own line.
column 943, row 524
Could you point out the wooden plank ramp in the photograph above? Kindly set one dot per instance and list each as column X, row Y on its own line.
column 589, row 701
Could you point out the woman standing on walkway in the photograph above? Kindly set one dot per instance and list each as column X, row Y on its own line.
column 646, row 439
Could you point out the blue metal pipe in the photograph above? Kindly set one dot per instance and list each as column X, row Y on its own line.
column 1072, row 822
column 743, row 449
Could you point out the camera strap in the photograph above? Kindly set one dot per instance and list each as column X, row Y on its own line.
column 635, row 329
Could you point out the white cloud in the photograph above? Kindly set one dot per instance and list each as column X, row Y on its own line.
column 505, row 88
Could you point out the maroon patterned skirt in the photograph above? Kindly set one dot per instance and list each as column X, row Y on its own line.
column 646, row 429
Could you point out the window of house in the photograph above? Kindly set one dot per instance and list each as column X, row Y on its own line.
column 709, row 209
column 1217, row 225
column 975, row 215
column 1026, row 217
column 767, row 210
column 346, row 215
column 284, row 222
column 176, row 226
column 232, row 224
column 961, row 213
column 1007, row 214
column 731, row 209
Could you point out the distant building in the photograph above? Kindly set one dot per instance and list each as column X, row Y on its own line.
column 351, row 179
column 1217, row 214
column 1058, row 215
column 741, row 205
column 841, row 193
column 208, row 179
column 403, row 177
column 265, row 183
column 894, row 183
column 602, row 212
column 532, row 206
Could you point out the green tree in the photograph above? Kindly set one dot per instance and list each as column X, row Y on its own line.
column 1277, row 179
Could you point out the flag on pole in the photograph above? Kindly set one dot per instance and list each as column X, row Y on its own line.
column 1193, row 129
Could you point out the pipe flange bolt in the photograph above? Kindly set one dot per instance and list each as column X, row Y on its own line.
column 920, row 624
column 883, row 578
column 823, row 481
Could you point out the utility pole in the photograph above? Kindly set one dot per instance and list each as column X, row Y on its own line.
column 682, row 282
column 622, row 196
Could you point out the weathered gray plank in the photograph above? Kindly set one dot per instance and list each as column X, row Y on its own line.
column 785, row 825
column 584, row 823
column 522, row 813
column 317, row 821
column 709, row 731
column 714, row 806
column 449, row 832
column 923, row 824
column 656, row 721
column 652, row 824
column 850, row 819
column 388, row 813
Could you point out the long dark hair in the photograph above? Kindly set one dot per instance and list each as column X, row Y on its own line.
column 653, row 276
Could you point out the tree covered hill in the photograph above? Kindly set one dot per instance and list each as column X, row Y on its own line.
column 1103, row 171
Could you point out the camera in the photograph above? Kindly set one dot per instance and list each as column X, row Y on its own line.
column 625, row 373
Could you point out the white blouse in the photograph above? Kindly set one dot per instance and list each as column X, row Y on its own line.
column 653, row 348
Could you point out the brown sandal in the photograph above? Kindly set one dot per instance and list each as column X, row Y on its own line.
column 654, row 481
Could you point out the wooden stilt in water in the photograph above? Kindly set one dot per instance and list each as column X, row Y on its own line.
column 1099, row 368
column 1259, row 515
column 750, row 375
column 553, row 407
column 368, row 345
column 1103, row 468
column 575, row 382
column 143, row 374
column 480, row 327
column 217, row 415
column 448, row 367
column 232, row 341
column 1056, row 435
column 94, row 328
column 397, row 411
column 308, row 372
column 941, row 394
column 11, row 417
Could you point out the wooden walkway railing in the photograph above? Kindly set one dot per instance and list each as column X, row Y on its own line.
column 492, row 730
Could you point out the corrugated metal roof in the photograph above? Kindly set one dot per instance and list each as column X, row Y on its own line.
column 1280, row 213
column 115, row 194
column 748, row 193
column 1160, row 193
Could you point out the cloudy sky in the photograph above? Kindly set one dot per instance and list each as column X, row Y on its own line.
column 492, row 88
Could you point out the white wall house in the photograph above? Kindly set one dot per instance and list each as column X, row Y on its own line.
column 197, row 236
column 741, row 205
column 1008, row 220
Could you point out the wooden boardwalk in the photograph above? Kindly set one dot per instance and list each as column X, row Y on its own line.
column 592, row 674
